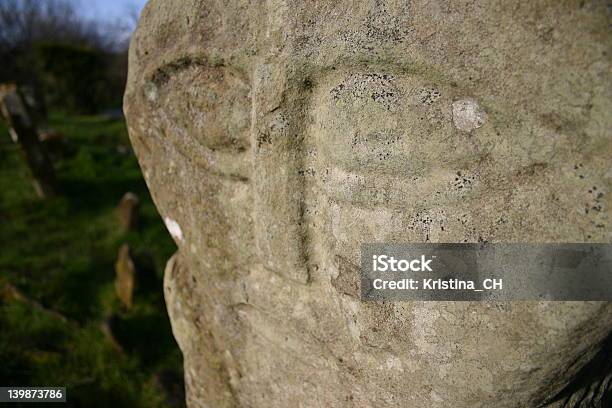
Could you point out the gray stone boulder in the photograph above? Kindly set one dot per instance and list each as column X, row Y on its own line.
column 277, row 136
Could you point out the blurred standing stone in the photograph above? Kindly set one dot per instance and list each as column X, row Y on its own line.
column 34, row 101
column 128, row 211
column 23, row 131
column 125, row 276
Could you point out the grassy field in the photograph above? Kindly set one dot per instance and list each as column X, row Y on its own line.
column 60, row 254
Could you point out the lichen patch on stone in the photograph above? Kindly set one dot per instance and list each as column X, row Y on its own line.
column 174, row 228
column 468, row 115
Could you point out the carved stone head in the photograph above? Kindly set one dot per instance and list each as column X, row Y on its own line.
column 278, row 136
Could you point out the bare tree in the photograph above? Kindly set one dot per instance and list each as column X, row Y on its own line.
column 23, row 22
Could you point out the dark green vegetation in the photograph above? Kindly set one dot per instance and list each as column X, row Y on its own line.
column 60, row 253
column 79, row 78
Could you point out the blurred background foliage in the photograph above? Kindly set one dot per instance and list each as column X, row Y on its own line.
column 70, row 74
column 76, row 64
column 61, row 322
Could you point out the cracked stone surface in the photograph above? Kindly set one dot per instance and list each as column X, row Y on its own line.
column 277, row 136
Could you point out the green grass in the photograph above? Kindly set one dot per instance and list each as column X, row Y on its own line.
column 60, row 252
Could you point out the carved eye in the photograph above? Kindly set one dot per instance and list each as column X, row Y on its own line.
column 397, row 125
column 209, row 104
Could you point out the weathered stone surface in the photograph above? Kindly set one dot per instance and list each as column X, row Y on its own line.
column 278, row 136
